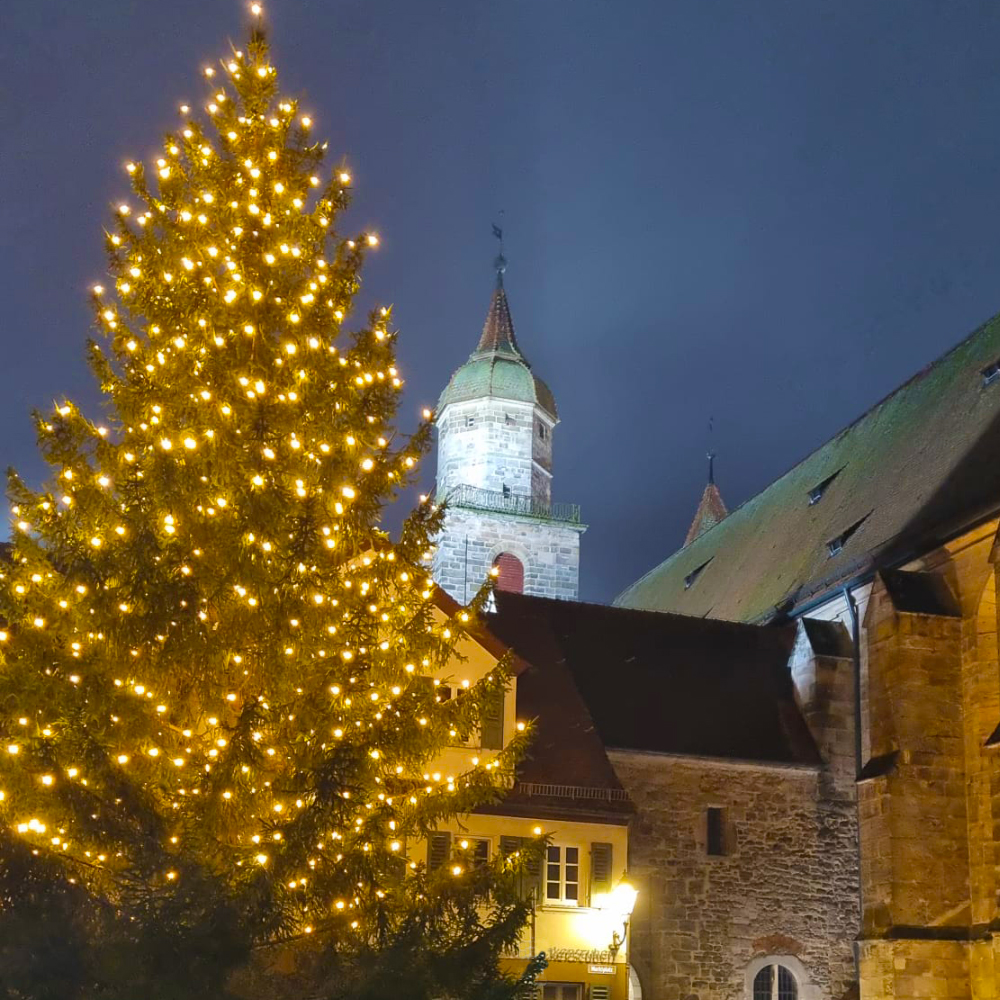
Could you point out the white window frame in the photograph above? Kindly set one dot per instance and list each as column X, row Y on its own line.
column 807, row 991
column 456, row 690
column 562, row 900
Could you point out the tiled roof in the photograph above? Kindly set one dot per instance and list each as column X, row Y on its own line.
column 498, row 330
column 497, row 367
column 650, row 682
column 710, row 512
column 911, row 472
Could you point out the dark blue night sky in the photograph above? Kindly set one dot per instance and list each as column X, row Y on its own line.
column 771, row 213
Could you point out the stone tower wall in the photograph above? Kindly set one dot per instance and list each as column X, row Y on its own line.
column 487, row 443
column 548, row 550
column 541, row 453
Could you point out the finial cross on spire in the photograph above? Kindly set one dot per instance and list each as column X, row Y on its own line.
column 500, row 262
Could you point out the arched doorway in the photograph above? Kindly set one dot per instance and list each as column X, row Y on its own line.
column 511, row 573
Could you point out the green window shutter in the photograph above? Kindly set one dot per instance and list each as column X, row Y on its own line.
column 491, row 724
column 509, row 845
column 438, row 850
column 601, row 858
column 534, row 878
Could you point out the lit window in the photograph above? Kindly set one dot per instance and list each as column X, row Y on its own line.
column 774, row 982
column 562, row 875
column 561, row 991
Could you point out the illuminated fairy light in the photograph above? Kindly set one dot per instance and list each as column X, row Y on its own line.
column 220, row 317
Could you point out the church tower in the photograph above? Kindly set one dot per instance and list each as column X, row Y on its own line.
column 495, row 421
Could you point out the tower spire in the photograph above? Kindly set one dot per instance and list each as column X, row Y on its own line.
column 498, row 330
column 712, row 508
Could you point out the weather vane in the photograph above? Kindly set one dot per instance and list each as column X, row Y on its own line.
column 500, row 263
column 711, row 452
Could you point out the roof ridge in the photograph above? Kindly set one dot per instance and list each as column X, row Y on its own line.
column 871, row 409
column 922, row 372
column 620, row 609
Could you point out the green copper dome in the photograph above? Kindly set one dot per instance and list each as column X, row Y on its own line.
column 497, row 367
column 498, row 376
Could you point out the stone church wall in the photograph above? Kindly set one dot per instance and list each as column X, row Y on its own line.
column 786, row 886
column 929, row 827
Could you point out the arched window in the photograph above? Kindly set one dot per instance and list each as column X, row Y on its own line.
column 511, row 576
column 775, row 982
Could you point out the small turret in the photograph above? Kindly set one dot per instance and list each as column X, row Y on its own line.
column 712, row 508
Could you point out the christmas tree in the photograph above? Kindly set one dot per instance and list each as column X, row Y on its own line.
column 216, row 696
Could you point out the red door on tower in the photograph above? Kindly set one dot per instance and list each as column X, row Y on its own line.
column 511, row 576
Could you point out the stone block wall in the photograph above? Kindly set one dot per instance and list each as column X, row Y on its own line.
column 920, row 838
column 541, row 452
column 824, row 688
column 928, row 824
column 489, row 443
column 914, row 970
column 787, row 885
column 548, row 550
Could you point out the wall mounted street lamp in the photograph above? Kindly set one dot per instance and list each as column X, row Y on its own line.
column 618, row 904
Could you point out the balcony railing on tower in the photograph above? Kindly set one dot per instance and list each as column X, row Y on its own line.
column 503, row 502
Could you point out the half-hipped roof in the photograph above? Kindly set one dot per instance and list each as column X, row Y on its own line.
column 649, row 682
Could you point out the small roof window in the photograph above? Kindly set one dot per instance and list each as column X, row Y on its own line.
column 991, row 373
column 816, row 493
column 694, row 574
column 835, row 545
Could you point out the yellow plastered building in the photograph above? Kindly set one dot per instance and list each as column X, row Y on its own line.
column 567, row 792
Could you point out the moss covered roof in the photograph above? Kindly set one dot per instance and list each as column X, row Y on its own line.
column 911, row 472
column 497, row 367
